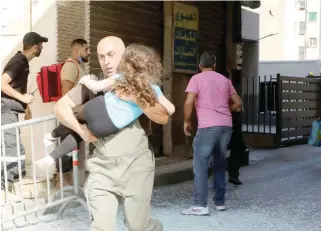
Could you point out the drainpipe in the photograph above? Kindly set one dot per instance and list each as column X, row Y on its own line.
column 30, row 13
column 320, row 34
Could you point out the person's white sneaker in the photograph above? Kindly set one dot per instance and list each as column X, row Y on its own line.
column 45, row 162
column 196, row 211
column 48, row 139
column 220, row 207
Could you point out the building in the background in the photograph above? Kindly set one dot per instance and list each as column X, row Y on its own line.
column 290, row 30
column 165, row 25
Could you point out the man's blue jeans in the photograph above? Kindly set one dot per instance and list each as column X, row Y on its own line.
column 210, row 142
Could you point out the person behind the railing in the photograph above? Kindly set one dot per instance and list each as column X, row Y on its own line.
column 140, row 72
column 123, row 165
column 14, row 100
column 70, row 73
column 237, row 146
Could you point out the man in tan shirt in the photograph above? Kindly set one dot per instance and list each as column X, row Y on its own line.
column 70, row 74
column 74, row 69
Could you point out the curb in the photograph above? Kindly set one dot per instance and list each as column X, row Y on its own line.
column 173, row 173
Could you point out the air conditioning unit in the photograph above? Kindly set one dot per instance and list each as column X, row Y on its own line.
column 251, row 4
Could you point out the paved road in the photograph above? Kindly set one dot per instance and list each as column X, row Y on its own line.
column 281, row 192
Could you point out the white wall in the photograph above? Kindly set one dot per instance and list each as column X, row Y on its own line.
column 43, row 22
column 250, row 35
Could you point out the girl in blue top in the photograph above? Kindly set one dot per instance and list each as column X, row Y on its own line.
column 140, row 72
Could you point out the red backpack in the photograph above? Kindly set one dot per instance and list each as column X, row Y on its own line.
column 49, row 82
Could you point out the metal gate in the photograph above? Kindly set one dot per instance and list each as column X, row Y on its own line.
column 300, row 106
column 281, row 107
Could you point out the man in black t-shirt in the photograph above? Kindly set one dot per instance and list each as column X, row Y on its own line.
column 14, row 100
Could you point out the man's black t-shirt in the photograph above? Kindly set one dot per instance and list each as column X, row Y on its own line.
column 18, row 70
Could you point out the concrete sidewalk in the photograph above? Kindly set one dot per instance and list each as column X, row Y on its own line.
column 183, row 171
column 281, row 192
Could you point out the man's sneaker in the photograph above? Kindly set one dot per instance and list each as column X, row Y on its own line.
column 235, row 181
column 220, row 207
column 48, row 139
column 44, row 162
column 196, row 211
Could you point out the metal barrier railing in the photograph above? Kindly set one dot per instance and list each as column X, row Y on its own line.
column 259, row 102
column 19, row 214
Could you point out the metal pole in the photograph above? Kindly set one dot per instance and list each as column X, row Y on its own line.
column 253, row 101
column 28, row 122
column 248, row 104
column 258, row 105
column 270, row 102
column 265, row 103
column 305, row 29
column 279, row 111
column 75, row 165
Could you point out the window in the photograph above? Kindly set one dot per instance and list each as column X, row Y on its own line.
column 312, row 42
column 302, row 28
column 312, row 16
column 301, row 53
column 301, row 4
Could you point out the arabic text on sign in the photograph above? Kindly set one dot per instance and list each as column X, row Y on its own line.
column 186, row 34
column 183, row 16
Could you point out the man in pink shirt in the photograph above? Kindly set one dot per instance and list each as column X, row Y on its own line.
column 214, row 98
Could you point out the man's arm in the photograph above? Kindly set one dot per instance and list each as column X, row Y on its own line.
column 69, row 74
column 8, row 90
column 146, row 124
column 235, row 104
column 158, row 113
column 188, row 109
column 66, row 86
column 63, row 110
column 189, row 105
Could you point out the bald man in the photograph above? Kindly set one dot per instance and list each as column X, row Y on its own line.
column 122, row 167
